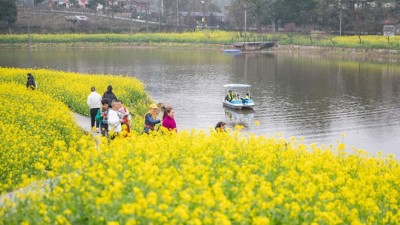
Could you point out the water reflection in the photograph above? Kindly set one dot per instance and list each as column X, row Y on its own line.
column 243, row 117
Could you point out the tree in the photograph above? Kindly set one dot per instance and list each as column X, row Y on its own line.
column 351, row 16
column 93, row 4
column 8, row 12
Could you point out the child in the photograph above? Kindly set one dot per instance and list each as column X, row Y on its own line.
column 102, row 117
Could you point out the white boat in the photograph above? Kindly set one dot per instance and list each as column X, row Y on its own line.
column 232, row 51
column 237, row 96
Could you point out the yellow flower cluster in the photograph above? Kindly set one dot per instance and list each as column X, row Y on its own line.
column 373, row 41
column 195, row 177
column 189, row 177
column 363, row 41
column 204, row 36
column 211, row 37
column 33, row 128
column 73, row 88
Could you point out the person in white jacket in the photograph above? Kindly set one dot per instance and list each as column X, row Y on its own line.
column 94, row 103
column 114, row 119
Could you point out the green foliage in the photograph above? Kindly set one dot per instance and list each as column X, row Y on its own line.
column 356, row 16
column 8, row 11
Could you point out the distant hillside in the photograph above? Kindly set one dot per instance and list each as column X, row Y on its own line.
column 45, row 21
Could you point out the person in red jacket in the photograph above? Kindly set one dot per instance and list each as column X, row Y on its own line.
column 168, row 119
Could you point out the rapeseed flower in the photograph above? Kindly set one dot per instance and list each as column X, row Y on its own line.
column 188, row 177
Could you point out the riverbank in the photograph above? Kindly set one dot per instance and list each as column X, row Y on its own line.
column 208, row 37
column 374, row 46
column 323, row 50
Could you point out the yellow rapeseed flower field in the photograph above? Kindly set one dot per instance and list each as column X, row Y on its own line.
column 73, row 88
column 203, row 36
column 32, row 125
column 207, row 178
column 201, row 177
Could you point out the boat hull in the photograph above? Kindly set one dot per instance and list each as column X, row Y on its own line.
column 238, row 105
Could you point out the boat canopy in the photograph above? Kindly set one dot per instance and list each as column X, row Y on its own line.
column 237, row 86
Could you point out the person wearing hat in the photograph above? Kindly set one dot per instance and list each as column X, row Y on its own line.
column 150, row 119
column 109, row 96
column 31, row 83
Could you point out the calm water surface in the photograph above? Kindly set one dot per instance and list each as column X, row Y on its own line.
column 318, row 97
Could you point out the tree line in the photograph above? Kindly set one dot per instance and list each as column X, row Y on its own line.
column 334, row 16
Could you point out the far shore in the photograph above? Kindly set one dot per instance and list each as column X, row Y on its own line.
column 323, row 50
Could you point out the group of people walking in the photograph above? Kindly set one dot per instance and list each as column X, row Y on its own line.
column 107, row 113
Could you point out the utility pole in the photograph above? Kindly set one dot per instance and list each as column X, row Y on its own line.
column 147, row 16
column 130, row 14
column 204, row 14
column 245, row 21
column 340, row 18
column 161, row 14
column 177, row 15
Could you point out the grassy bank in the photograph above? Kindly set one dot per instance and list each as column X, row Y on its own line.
column 365, row 41
column 198, row 39
column 190, row 177
column 46, row 21
column 211, row 37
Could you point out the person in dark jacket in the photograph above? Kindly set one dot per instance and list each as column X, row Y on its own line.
column 31, row 83
column 109, row 96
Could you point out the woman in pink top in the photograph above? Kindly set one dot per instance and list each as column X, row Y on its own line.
column 168, row 119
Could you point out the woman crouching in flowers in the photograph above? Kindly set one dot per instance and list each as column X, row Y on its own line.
column 220, row 127
column 168, row 119
column 150, row 119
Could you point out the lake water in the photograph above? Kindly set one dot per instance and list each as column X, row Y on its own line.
column 318, row 97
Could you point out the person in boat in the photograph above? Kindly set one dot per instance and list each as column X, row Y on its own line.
column 220, row 127
column 229, row 97
column 168, row 119
column 237, row 97
column 150, row 119
column 246, row 98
